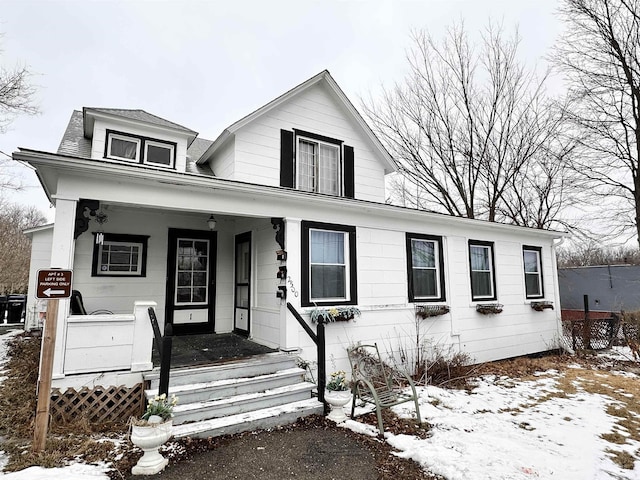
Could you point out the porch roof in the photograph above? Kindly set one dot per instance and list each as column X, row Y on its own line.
column 48, row 165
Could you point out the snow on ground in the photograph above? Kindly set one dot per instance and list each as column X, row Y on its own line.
column 502, row 429
column 76, row 471
column 505, row 429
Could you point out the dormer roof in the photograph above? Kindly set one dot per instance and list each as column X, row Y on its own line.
column 136, row 116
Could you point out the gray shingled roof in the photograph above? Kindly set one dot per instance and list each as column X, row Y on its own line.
column 141, row 116
column 73, row 141
column 75, row 144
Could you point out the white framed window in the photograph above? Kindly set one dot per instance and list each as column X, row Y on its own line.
column 483, row 285
column 120, row 255
column 425, row 268
column 192, row 271
column 328, row 264
column 122, row 147
column 319, row 166
column 328, row 260
column 532, row 272
column 157, row 153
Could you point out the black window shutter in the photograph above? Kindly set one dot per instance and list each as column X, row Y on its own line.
column 349, row 181
column 286, row 158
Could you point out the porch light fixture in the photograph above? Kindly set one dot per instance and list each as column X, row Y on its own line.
column 212, row 223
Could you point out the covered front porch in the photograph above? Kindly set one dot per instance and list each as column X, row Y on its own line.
column 209, row 274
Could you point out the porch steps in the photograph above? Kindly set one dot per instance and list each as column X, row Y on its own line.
column 246, row 367
column 240, row 395
column 255, row 420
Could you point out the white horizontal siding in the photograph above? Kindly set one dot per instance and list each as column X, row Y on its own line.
column 257, row 145
column 222, row 164
column 388, row 317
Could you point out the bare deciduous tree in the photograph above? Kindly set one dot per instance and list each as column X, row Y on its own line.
column 600, row 54
column 473, row 132
column 593, row 253
column 15, row 246
column 16, row 97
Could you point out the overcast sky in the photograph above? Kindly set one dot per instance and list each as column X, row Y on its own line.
column 205, row 65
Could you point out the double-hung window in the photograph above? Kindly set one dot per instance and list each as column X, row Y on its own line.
column 319, row 166
column 483, row 282
column 120, row 255
column 532, row 272
column 425, row 268
column 138, row 149
column 328, row 268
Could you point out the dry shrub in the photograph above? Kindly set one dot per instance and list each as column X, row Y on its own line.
column 631, row 331
column 18, row 392
column 447, row 367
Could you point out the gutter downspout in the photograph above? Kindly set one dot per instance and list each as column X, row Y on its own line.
column 556, row 289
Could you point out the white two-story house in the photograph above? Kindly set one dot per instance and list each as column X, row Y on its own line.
column 285, row 205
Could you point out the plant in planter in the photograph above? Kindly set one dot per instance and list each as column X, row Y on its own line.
column 337, row 395
column 426, row 311
column 334, row 314
column 540, row 306
column 489, row 308
column 151, row 431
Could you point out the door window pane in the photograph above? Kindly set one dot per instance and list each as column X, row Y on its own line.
column 192, row 271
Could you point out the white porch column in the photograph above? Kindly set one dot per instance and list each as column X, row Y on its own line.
column 142, row 337
column 62, row 249
column 289, row 327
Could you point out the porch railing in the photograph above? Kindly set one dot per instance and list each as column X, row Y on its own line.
column 163, row 344
column 319, row 339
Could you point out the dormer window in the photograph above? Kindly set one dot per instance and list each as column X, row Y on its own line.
column 138, row 149
column 157, row 153
column 123, row 148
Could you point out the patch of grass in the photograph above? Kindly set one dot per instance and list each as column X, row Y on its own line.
column 623, row 459
column 58, row 451
column 526, row 426
column 614, row 437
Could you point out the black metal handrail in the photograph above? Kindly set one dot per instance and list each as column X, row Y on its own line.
column 163, row 344
column 319, row 339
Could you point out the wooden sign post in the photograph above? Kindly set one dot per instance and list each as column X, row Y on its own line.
column 52, row 285
column 44, row 383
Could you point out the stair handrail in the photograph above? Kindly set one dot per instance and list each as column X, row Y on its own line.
column 319, row 339
column 163, row 344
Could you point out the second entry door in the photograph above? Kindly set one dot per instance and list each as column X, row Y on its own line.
column 242, row 295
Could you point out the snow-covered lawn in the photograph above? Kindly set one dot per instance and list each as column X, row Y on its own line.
column 554, row 425
column 548, row 427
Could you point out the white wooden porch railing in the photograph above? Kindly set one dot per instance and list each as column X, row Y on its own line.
column 101, row 343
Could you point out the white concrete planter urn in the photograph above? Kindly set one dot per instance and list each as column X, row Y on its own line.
column 337, row 395
column 337, row 399
column 149, row 437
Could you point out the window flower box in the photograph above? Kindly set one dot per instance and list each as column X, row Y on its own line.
column 540, row 306
column 426, row 311
column 489, row 308
column 334, row 314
